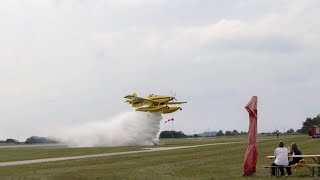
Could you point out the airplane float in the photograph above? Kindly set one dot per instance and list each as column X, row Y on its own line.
column 154, row 103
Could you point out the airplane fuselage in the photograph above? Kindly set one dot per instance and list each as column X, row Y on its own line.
column 153, row 103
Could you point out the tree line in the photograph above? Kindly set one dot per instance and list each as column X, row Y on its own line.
column 179, row 134
column 32, row 140
column 304, row 129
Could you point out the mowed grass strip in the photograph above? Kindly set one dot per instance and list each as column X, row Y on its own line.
column 17, row 154
column 224, row 161
column 201, row 140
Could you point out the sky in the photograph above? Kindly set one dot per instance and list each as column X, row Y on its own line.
column 67, row 63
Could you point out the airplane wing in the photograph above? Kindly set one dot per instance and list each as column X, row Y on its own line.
column 176, row 102
column 151, row 109
column 143, row 100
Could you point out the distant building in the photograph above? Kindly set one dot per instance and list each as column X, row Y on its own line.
column 314, row 131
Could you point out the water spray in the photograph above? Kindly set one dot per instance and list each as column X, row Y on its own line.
column 127, row 129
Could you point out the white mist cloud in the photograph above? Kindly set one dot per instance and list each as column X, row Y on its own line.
column 127, row 129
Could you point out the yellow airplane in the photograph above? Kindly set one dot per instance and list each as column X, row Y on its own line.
column 153, row 103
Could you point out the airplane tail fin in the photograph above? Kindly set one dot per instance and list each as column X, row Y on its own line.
column 131, row 96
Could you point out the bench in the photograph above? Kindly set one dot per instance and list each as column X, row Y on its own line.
column 277, row 168
column 312, row 167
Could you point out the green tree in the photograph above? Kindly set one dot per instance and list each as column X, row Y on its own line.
column 170, row 134
column 220, row 133
column 235, row 132
column 290, row 131
column 40, row 140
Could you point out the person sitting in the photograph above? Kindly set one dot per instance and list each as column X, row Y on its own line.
column 294, row 151
column 281, row 158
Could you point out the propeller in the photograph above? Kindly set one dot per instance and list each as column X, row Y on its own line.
column 173, row 96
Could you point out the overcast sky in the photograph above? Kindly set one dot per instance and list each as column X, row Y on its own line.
column 65, row 63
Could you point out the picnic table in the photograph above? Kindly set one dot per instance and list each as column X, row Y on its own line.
column 315, row 157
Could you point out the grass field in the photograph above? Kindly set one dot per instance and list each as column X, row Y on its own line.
column 224, row 161
column 16, row 154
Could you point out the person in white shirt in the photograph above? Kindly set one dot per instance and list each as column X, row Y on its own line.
column 281, row 158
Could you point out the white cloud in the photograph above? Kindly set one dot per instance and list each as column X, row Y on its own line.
column 64, row 63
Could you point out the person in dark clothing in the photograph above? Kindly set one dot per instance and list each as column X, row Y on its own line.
column 294, row 151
